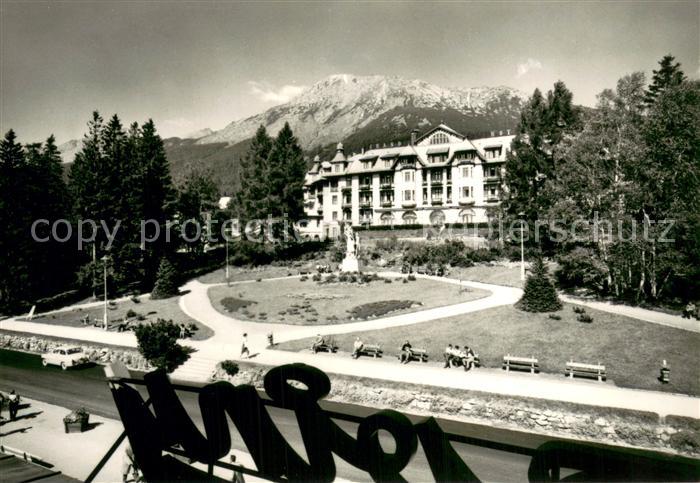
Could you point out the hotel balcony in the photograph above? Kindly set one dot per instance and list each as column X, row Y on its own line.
column 492, row 198
column 466, row 201
column 386, row 186
column 365, row 187
column 436, row 201
column 493, row 179
column 366, row 220
column 408, row 204
column 346, row 189
column 365, row 203
column 387, row 203
column 347, row 204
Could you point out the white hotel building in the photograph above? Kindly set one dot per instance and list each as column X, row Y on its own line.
column 440, row 177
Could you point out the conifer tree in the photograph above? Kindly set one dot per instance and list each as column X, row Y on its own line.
column 287, row 170
column 166, row 281
column 539, row 294
column 252, row 199
column 668, row 75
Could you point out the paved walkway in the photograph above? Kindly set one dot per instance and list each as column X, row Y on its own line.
column 653, row 316
column 225, row 344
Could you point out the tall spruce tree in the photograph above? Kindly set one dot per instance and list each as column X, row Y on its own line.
column 252, row 198
column 535, row 152
column 668, row 75
column 287, row 170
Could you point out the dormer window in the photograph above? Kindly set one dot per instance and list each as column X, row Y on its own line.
column 439, row 138
column 437, row 158
column 493, row 153
column 366, row 164
column 338, row 168
column 465, row 156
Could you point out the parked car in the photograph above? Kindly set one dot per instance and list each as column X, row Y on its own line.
column 65, row 357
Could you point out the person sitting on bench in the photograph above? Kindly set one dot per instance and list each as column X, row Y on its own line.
column 468, row 358
column 689, row 311
column 449, row 354
column 320, row 341
column 406, row 352
column 356, row 348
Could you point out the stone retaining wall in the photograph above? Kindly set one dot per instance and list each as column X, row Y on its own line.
column 96, row 353
column 589, row 423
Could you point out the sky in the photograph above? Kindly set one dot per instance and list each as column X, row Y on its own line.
column 192, row 65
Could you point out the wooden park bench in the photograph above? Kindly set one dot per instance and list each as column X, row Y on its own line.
column 457, row 361
column 374, row 350
column 415, row 355
column 521, row 363
column 585, row 370
column 325, row 347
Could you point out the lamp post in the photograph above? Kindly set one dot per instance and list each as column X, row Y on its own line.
column 105, row 259
column 522, row 247
column 227, row 272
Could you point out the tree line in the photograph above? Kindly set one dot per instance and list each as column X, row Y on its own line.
column 630, row 169
column 121, row 175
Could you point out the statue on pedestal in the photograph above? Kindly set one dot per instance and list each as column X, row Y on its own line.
column 350, row 262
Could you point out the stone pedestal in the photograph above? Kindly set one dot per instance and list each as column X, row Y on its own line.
column 350, row 264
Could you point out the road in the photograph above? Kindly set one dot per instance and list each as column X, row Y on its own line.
column 87, row 387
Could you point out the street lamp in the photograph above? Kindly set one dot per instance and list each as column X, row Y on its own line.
column 522, row 247
column 105, row 259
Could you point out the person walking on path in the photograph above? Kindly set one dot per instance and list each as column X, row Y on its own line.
column 13, row 399
column 129, row 465
column 2, row 404
column 244, row 346
column 237, row 475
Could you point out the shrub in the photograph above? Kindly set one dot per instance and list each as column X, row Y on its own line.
column 232, row 304
column 411, row 277
column 539, row 294
column 584, row 318
column 303, row 278
column 135, row 299
column 230, row 367
column 581, row 268
column 166, row 281
column 131, row 314
column 377, row 309
column 387, row 280
column 316, row 277
column 578, row 310
column 157, row 342
column 405, row 280
column 555, row 317
column 685, row 441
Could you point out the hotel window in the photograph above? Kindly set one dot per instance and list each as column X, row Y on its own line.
column 335, row 216
column 467, row 172
column 467, row 192
column 387, row 163
column 492, row 172
column 436, row 194
column 334, row 200
column 334, row 186
column 467, row 216
column 468, row 156
column 408, row 195
column 366, row 164
column 408, row 176
column 439, row 138
column 493, row 153
column 338, row 168
column 436, row 177
column 387, row 179
column 437, row 158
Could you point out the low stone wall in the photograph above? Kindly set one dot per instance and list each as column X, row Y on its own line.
column 96, row 353
column 589, row 423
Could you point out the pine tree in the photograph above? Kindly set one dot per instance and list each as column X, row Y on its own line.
column 252, row 199
column 535, row 152
column 166, row 281
column 158, row 194
column 287, row 171
column 539, row 294
column 668, row 75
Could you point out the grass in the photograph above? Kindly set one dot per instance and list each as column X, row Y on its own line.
column 299, row 302
column 241, row 274
column 631, row 350
column 151, row 310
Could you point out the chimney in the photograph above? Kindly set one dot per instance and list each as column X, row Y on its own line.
column 414, row 134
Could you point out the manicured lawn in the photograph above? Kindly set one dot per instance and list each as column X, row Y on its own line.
column 238, row 274
column 311, row 303
column 631, row 350
column 167, row 309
